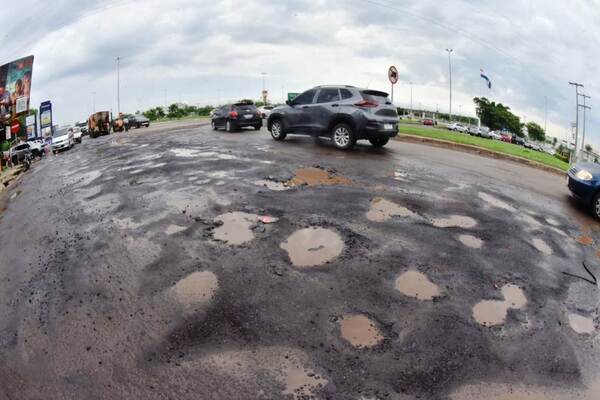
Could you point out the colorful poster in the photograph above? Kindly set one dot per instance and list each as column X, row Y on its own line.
column 46, row 115
column 15, row 88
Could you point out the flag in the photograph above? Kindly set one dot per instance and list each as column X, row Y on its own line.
column 489, row 83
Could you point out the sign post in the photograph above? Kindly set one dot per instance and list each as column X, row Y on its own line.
column 393, row 77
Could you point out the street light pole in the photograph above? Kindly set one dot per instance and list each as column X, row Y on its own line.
column 585, row 107
column 263, row 87
column 118, row 87
column 411, row 98
column 577, row 86
column 450, row 75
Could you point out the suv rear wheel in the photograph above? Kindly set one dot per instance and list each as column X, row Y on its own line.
column 277, row 130
column 214, row 126
column 343, row 137
column 229, row 127
column 379, row 142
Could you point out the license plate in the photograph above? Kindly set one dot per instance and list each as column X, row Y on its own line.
column 248, row 116
column 388, row 127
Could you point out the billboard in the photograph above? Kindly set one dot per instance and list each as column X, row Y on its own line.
column 15, row 88
column 46, row 118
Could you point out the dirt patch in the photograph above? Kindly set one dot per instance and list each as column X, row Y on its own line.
column 494, row 202
column 454, row 221
column 416, row 284
column 471, row 241
column 542, row 246
column 317, row 177
column 493, row 312
column 313, row 246
column 195, row 290
column 173, row 229
column 360, row 331
column 585, row 240
column 382, row 210
column 581, row 324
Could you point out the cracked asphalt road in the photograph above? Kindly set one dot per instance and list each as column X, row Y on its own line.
column 178, row 262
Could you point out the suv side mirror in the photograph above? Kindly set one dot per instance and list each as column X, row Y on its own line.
column 289, row 103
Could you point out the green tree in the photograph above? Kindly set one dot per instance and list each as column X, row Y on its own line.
column 204, row 111
column 588, row 148
column 554, row 140
column 497, row 116
column 536, row 132
column 175, row 111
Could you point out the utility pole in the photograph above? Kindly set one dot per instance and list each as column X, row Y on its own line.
column 577, row 86
column 450, row 75
column 411, row 98
column 118, row 59
column 585, row 107
column 264, row 96
column 545, row 114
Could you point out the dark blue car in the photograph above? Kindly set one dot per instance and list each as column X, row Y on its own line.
column 584, row 183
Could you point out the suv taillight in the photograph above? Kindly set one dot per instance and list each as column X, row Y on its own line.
column 233, row 114
column 367, row 104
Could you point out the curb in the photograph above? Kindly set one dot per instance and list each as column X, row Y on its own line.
column 479, row 151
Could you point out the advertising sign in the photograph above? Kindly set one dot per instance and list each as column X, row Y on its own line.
column 30, row 120
column 46, row 115
column 15, row 88
column 292, row 96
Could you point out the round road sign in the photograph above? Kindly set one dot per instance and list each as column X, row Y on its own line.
column 393, row 75
column 14, row 127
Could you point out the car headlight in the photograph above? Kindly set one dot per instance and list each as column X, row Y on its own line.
column 584, row 175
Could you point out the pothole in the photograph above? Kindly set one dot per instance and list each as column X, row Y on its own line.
column 416, row 284
column 542, row 246
column 272, row 185
column 585, row 240
column 316, row 177
column 494, row 312
column 471, row 241
column 454, row 221
column 495, row 202
column 301, row 383
column 382, row 210
column 581, row 324
column 360, row 331
column 173, row 229
column 313, row 246
column 237, row 227
column 196, row 289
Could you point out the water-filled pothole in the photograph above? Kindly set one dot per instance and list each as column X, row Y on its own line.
column 316, row 177
column 581, row 324
column 272, row 185
column 454, row 221
column 471, row 241
column 416, row 284
column 495, row 202
column 360, row 331
column 236, row 228
column 313, row 246
column 382, row 210
column 494, row 312
column 196, row 289
column 542, row 246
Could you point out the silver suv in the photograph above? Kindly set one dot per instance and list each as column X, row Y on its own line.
column 343, row 113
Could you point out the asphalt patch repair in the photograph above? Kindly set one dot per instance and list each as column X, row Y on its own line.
column 312, row 302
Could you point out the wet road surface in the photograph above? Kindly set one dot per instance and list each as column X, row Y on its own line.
column 178, row 262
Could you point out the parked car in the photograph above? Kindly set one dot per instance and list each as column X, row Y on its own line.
column 83, row 125
column 265, row 111
column 20, row 153
column 76, row 134
column 37, row 146
column 473, row 130
column 343, row 113
column 62, row 139
column 457, row 127
column 236, row 116
column 506, row 137
column 583, row 180
column 428, row 122
column 518, row 140
column 138, row 120
column 495, row 135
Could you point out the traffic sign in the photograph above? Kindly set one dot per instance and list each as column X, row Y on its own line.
column 15, row 126
column 393, row 75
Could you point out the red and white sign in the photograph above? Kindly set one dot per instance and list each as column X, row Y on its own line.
column 393, row 75
column 14, row 127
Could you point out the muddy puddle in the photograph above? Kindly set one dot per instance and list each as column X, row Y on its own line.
column 316, row 177
column 495, row 202
column 313, row 246
column 542, row 246
column 236, row 228
column 454, row 221
column 382, row 210
column 416, row 284
column 585, row 240
column 581, row 324
column 471, row 241
column 301, row 383
column 173, row 229
column 494, row 312
column 360, row 331
column 272, row 185
column 196, row 289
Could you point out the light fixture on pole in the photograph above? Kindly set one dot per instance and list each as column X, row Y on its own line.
column 585, row 107
column 450, row 80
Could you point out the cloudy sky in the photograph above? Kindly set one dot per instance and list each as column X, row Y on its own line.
column 208, row 52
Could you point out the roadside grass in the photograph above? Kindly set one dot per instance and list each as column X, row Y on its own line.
column 489, row 144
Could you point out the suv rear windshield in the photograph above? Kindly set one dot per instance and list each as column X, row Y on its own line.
column 376, row 96
column 243, row 107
